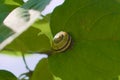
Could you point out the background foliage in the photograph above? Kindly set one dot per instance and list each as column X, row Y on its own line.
column 94, row 28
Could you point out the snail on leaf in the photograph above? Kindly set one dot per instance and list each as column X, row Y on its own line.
column 61, row 42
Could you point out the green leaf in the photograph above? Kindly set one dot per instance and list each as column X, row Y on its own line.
column 44, row 26
column 42, row 71
column 94, row 27
column 30, row 41
column 13, row 2
column 6, row 75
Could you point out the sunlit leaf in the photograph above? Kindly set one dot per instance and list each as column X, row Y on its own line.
column 44, row 26
column 13, row 2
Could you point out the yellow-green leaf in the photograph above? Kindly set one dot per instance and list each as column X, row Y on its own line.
column 42, row 71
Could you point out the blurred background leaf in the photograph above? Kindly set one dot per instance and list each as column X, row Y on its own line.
column 6, row 75
column 32, row 40
column 36, row 39
column 7, row 6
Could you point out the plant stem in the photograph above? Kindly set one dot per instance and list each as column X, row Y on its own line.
column 23, row 56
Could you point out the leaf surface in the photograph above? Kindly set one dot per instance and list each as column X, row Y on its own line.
column 42, row 71
column 94, row 27
column 6, row 75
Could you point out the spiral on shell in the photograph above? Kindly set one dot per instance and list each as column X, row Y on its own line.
column 61, row 42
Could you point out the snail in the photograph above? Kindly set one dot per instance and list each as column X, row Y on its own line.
column 61, row 42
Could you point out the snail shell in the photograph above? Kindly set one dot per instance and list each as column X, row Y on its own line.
column 61, row 42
